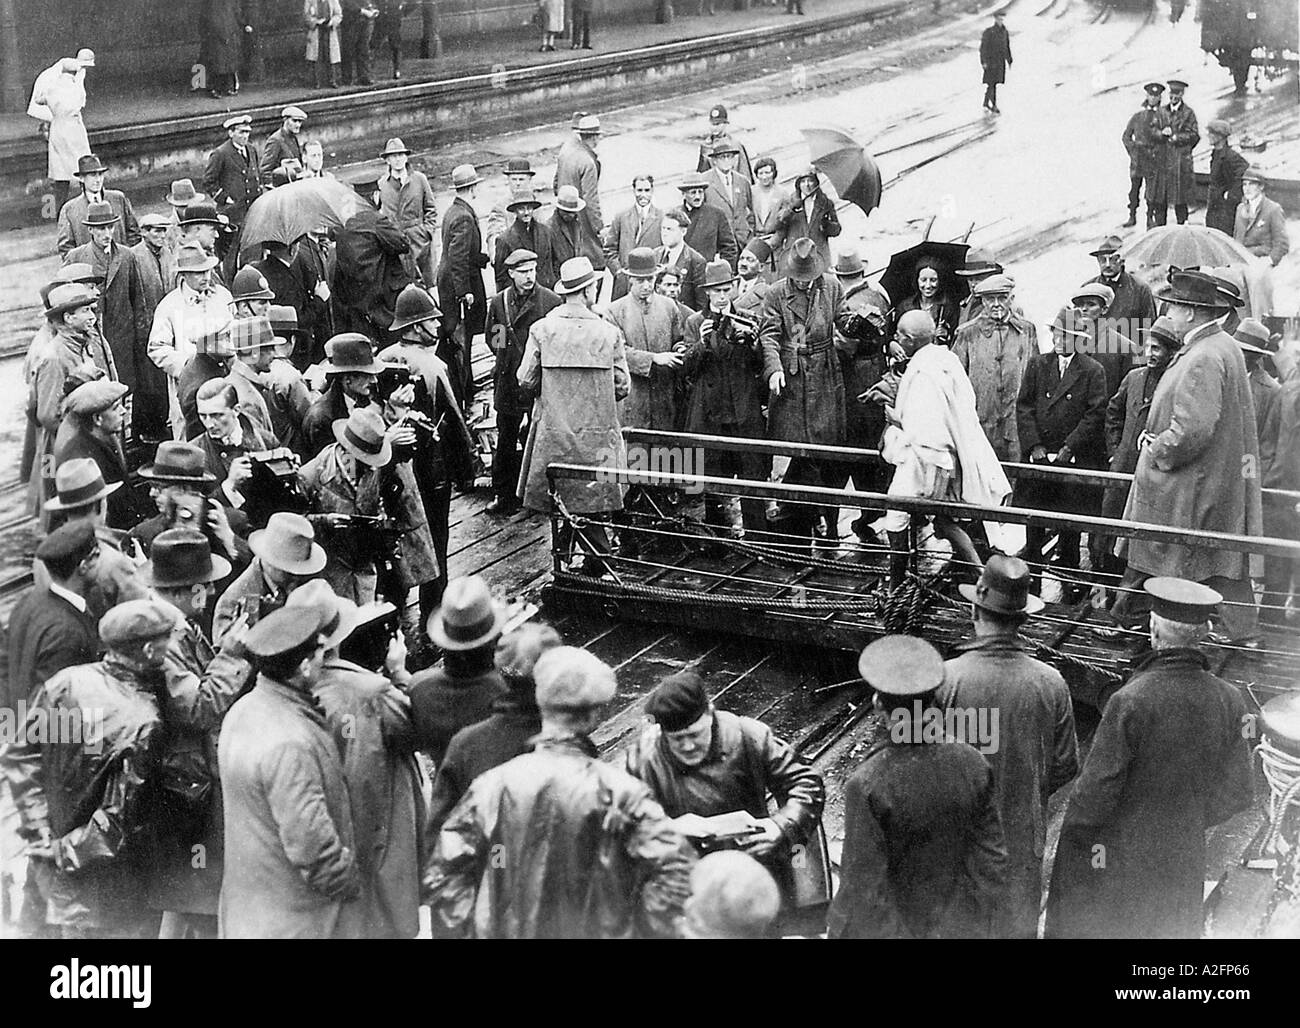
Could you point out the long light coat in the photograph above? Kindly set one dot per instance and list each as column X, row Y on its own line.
column 994, row 356
column 58, row 100
column 1193, row 475
column 655, row 398
column 575, row 362
column 309, row 16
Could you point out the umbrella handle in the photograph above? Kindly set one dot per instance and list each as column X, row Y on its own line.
column 928, row 225
column 966, row 238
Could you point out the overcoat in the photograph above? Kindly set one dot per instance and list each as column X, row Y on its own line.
column 577, row 165
column 994, row 355
column 369, row 272
column 1191, row 475
column 411, row 207
column 279, row 146
column 571, row 236
column 625, row 233
column 657, row 393
column 125, row 317
column 575, row 362
column 1170, row 759
column 1172, row 182
column 1133, row 309
column 443, row 702
column 1036, row 753
column 737, row 203
column 1265, row 391
column 223, row 33
column 508, row 320
column 79, row 443
column 233, row 180
column 1139, row 140
column 1126, row 420
column 710, row 233
column 1055, row 411
column 798, row 337
column 46, row 633
column 311, row 12
column 535, row 237
column 72, row 221
column 725, row 394
column 1224, row 193
column 690, row 265
column 290, row 850
column 823, row 226
column 59, row 100
column 995, row 54
column 460, row 272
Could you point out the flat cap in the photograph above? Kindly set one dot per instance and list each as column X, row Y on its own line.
column 1219, row 127
column 93, row 397
column 75, row 539
column 1165, row 331
column 153, row 221
column 1177, row 84
column 678, row 701
column 1177, row 599
column 288, row 628
column 520, row 256
column 294, row 112
column 993, row 285
column 572, row 679
column 237, row 119
column 901, row 665
column 733, row 896
column 137, row 620
column 1094, row 291
column 693, row 180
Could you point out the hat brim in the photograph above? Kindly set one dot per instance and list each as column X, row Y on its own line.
column 394, row 153
column 54, row 503
column 313, row 565
column 991, row 269
column 1033, row 604
column 91, row 171
column 65, row 308
column 866, row 671
column 562, row 290
column 850, row 272
column 1223, row 303
column 582, row 206
column 373, row 368
column 205, row 480
column 465, row 185
column 220, row 569
column 440, row 637
column 207, row 264
column 1100, row 253
column 261, row 294
column 1245, row 347
column 433, row 315
column 515, row 205
column 375, row 460
column 196, row 198
column 717, row 285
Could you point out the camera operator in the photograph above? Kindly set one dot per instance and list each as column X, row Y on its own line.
column 180, row 486
column 229, row 436
column 443, row 448
column 351, row 372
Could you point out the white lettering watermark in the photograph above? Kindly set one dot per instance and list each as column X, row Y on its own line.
column 102, row 981
column 975, row 726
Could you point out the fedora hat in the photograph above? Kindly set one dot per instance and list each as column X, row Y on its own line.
column 641, row 263
column 463, row 176
column 1111, row 244
column 901, row 665
column 201, row 213
column 723, row 145
column 567, row 199
column 588, row 125
column 575, row 275
column 393, row 146
column 288, row 543
column 717, row 273
column 414, row 305
column 179, row 463
column 69, row 296
column 1197, row 289
column 694, row 180
column 77, row 271
column 804, row 263
column 1253, row 174
column 284, row 319
column 249, row 334
column 523, row 198
column 180, row 557
column 362, row 434
column 343, row 612
column 1003, row 587
column 350, row 352
column 79, row 483
column 90, row 164
column 978, row 262
column 848, row 264
column 468, row 617
column 1164, row 330
column 1253, row 336
column 519, row 166
column 183, row 193
column 193, row 257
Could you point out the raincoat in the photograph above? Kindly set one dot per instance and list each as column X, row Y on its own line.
column 655, row 400
column 994, row 355
column 58, row 100
column 798, row 337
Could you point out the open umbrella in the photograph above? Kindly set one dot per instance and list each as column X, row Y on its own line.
column 1186, row 246
column 287, row 212
column 899, row 279
column 851, row 170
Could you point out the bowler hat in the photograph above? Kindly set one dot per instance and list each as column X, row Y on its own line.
column 202, row 213
column 394, row 146
column 1197, row 289
column 1253, row 174
column 723, row 145
column 575, row 275
column 94, row 396
column 520, row 257
column 90, row 164
column 717, row 273
column 350, row 352
column 468, row 617
column 250, row 284
column 978, row 262
column 179, row 463
column 804, row 263
column 79, row 483
column 289, row 544
column 641, row 263
column 137, row 621
column 678, row 701
column 414, row 305
column 901, row 665
column 180, row 557
column 75, row 539
column 1111, row 244
column 362, row 434
column 519, row 166
column 183, row 193
column 523, row 198
column 1177, row 599
column 1003, row 587
column 463, row 176
column 1253, row 336
column 288, row 629
column 69, row 296
column 569, row 678
column 248, row 334
column 568, row 200
column 848, row 264
column 694, row 180
column 236, row 120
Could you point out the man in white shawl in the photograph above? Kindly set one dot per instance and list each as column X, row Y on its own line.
column 935, row 442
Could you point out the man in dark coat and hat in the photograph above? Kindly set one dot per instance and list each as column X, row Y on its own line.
column 1139, row 140
column 460, row 279
column 1176, row 137
column 526, row 232
column 91, row 429
column 1226, row 168
column 371, row 266
column 995, row 58
column 1171, row 758
column 73, row 230
column 924, row 852
column 710, row 231
column 351, row 374
column 1132, row 307
column 1037, row 751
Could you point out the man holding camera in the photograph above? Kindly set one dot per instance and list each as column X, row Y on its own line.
column 351, row 373
column 285, row 556
column 229, row 438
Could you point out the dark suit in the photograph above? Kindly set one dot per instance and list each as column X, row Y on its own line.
column 46, row 634
column 1055, row 411
column 508, row 322
column 535, row 237
column 368, row 273
column 294, row 285
column 200, row 369
column 82, row 444
column 625, row 233
column 711, row 234
column 318, row 425
column 460, row 274
column 280, row 146
column 72, row 221
column 737, row 203
column 690, row 266
column 233, row 181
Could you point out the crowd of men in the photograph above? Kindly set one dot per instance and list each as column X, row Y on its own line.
column 278, row 755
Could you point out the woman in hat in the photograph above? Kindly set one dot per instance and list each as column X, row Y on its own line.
column 809, row 214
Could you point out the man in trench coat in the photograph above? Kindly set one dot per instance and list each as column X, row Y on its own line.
column 1176, row 134
column 1171, row 758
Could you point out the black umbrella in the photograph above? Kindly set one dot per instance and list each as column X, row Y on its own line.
column 851, row 170
column 899, row 278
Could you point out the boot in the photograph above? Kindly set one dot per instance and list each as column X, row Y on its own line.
column 1132, row 220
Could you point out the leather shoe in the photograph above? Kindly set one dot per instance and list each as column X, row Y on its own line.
column 501, row 507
